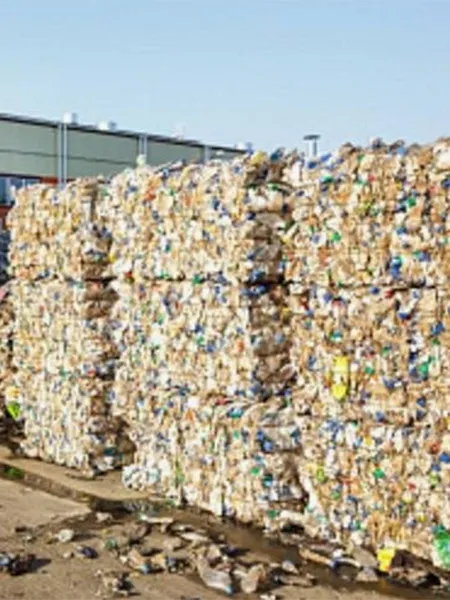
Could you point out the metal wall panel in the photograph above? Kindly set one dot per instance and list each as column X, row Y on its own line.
column 97, row 153
column 36, row 139
column 82, row 167
column 27, row 149
column 25, row 163
column 102, row 146
column 160, row 153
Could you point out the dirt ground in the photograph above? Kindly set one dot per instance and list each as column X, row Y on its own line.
column 30, row 520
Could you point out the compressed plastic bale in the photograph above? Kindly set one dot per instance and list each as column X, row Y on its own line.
column 202, row 312
column 372, row 217
column 203, row 454
column 367, row 251
column 261, row 474
column 60, row 233
column 62, row 343
column 210, row 337
column 6, row 349
column 205, row 220
column 64, row 354
column 157, row 448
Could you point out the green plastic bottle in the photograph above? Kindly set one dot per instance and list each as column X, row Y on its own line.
column 441, row 545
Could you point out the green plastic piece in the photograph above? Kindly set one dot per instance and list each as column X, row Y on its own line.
column 14, row 410
column 441, row 545
column 379, row 473
column 321, row 477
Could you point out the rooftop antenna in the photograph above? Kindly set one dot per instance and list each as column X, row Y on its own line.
column 312, row 141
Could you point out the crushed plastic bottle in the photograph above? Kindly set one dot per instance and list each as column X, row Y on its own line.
column 251, row 581
column 217, row 580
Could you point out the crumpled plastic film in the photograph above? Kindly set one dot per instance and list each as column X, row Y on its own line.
column 369, row 296
column 64, row 355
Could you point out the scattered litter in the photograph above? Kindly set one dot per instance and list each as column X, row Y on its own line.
column 367, row 575
column 115, row 583
column 86, row 552
column 364, row 558
column 310, row 555
column 162, row 521
column 17, row 564
column 173, row 543
column 213, row 578
column 65, row 536
column 138, row 533
column 103, row 517
column 303, row 581
column 289, row 567
column 385, row 557
column 213, row 554
column 253, row 580
column 197, row 539
column 137, row 562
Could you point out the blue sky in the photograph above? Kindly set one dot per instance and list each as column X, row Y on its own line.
column 267, row 71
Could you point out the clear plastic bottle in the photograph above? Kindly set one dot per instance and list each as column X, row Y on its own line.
column 217, row 580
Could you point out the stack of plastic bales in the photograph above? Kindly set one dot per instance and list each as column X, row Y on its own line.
column 368, row 258
column 64, row 356
column 203, row 329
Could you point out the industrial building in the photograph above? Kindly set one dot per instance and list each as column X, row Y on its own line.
column 37, row 150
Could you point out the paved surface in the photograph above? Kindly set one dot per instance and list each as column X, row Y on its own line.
column 21, row 506
column 61, row 480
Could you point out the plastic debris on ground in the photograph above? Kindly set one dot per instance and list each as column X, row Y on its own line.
column 17, row 564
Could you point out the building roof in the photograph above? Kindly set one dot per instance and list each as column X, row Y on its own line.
column 116, row 132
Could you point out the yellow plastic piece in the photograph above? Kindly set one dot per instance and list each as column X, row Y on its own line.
column 12, row 392
column 385, row 556
column 258, row 158
column 340, row 377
